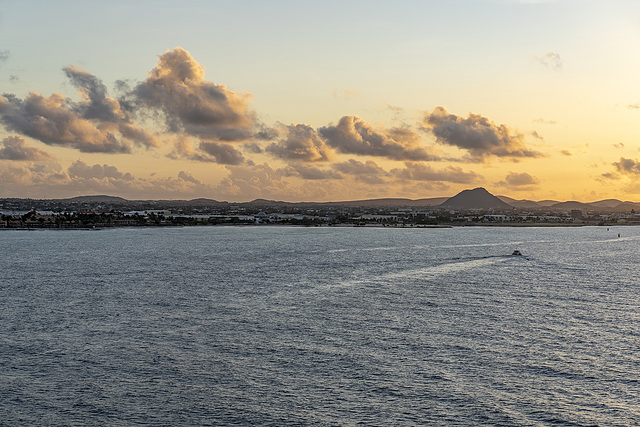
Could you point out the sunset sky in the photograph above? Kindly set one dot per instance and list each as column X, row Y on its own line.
column 320, row 100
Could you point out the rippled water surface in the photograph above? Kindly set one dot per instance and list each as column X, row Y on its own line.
column 325, row 326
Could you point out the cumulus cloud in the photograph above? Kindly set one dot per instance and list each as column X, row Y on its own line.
column 52, row 121
column 310, row 172
column 95, row 104
column 368, row 171
column 519, row 181
column 96, row 124
column 422, row 172
column 550, row 60
column 16, row 148
column 80, row 169
column 224, row 154
column 25, row 179
column 177, row 88
column 301, row 142
column 478, row 135
column 352, row 135
column 254, row 181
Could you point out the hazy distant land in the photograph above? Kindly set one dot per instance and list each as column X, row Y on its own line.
column 469, row 207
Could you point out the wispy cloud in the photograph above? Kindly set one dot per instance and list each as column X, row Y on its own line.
column 550, row 60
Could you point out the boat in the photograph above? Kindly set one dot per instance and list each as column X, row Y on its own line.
column 516, row 253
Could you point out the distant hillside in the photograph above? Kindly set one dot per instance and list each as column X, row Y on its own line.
column 204, row 202
column 626, row 207
column 547, row 203
column 608, row 203
column 95, row 199
column 478, row 198
column 390, row 202
column 571, row 205
column 519, row 203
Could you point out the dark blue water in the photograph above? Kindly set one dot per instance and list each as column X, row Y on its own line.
column 320, row 326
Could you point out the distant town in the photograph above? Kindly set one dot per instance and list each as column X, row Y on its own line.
column 475, row 207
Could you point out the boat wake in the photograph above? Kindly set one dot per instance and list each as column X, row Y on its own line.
column 433, row 272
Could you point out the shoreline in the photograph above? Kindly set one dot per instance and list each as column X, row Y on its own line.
column 434, row 226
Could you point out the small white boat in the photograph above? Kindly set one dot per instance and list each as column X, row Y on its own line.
column 516, row 253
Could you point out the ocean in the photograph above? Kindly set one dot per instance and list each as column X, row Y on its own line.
column 284, row 326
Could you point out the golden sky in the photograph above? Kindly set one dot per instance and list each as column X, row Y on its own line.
column 320, row 101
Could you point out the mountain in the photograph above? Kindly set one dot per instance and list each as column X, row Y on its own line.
column 547, row 203
column 626, row 207
column 96, row 199
column 571, row 205
column 608, row 203
column 478, row 198
column 204, row 202
column 390, row 202
column 519, row 203
column 368, row 203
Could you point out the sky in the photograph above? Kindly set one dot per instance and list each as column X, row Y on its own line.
column 320, row 100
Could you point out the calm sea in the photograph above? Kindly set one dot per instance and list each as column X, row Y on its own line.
column 320, row 326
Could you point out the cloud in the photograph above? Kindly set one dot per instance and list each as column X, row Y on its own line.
column 345, row 93
column 254, row 181
column 543, row 121
column 422, row 172
column 4, row 56
column 16, row 148
column 310, row 172
column 519, row 181
column 566, row 153
column 223, row 154
column 367, row 172
column 353, row 135
column 186, row 176
column 635, row 106
column 205, row 151
column 550, row 60
column 177, row 88
column 536, row 135
column 25, row 179
column 301, row 143
column 80, row 169
column 611, row 175
column 13, row 78
column 96, row 124
column 95, row 104
column 478, row 135
column 253, row 147
column 53, row 121
column 627, row 166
